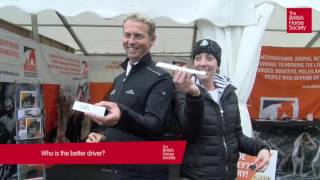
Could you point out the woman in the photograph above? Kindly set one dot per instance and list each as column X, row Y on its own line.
column 207, row 108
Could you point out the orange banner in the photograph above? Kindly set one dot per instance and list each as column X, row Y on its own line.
column 50, row 99
column 287, row 84
column 98, row 91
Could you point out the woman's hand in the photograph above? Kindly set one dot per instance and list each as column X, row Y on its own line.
column 184, row 82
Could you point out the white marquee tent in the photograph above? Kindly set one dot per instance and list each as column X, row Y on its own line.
column 239, row 26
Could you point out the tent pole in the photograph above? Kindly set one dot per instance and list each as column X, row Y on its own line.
column 313, row 40
column 194, row 36
column 72, row 33
column 35, row 32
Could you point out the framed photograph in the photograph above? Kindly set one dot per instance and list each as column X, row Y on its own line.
column 31, row 141
column 22, row 128
column 31, row 172
column 22, row 123
column 28, row 99
column 33, row 127
column 277, row 108
column 29, row 112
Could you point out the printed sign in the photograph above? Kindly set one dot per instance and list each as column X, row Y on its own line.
column 299, row 20
column 246, row 173
column 287, row 84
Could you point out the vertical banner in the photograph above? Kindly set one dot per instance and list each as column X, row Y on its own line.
column 287, row 84
column 50, row 99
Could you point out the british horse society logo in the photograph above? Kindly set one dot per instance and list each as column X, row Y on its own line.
column 30, row 64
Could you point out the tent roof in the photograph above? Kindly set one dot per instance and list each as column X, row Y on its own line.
column 99, row 35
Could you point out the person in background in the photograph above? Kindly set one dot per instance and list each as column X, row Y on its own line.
column 7, row 171
column 7, row 105
column 78, row 125
column 140, row 100
column 207, row 108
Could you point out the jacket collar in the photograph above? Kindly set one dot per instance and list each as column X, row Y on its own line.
column 145, row 60
column 220, row 82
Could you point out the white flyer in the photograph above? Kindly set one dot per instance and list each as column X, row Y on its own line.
column 179, row 68
column 85, row 107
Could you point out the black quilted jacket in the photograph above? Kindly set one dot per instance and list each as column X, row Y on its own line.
column 214, row 136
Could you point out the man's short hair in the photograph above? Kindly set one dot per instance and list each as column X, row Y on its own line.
column 143, row 19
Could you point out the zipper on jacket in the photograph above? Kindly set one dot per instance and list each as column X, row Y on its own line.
column 224, row 141
column 124, row 79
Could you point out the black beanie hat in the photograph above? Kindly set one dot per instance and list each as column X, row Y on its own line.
column 207, row 46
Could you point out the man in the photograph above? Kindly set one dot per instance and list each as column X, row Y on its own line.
column 140, row 100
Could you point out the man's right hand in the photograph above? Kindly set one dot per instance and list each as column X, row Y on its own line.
column 95, row 137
